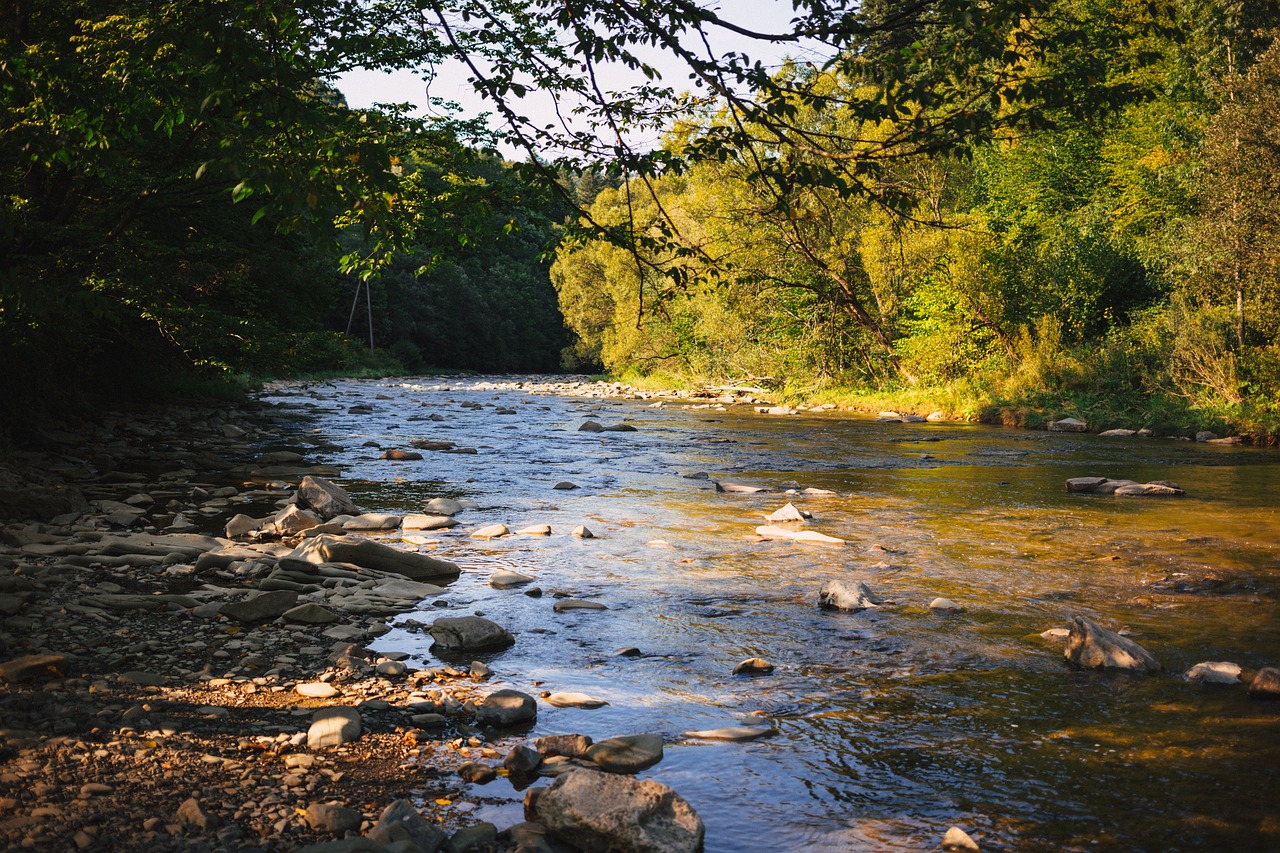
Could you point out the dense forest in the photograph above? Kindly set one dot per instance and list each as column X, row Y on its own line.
column 1006, row 210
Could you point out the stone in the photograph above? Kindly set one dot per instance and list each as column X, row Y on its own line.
column 522, row 761
column 1118, row 433
column 491, row 531
column 732, row 733
column 477, row 838
column 597, row 811
column 772, row 531
column 391, row 668
column 332, row 818
column 570, row 746
column 1068, row 425
column 402, row 455
column 535, row 530
column 444, row 506
column 787, row 514
column 476, row 773
column 261, row 608
column 627, row 754
column 311, row 614
column 1085, row 485
column 400, row 821
column 241, row 525
column 1092, row 647
column 506, row 708
column 1265, row 684
column 193, row 815
column 753, row 666
column 848, row 595
column 591, row 426
column 738, row 489
column 505, row 579
column 326, row 498
column 575, row 700
column 373, row 521
column 316, row 690
column 566, row 604
column 582, row 532
column 945, row 605
column 958, row 841
column 1205, row 435
column 32, row 667
column 292, row 520
column 1215, row 672
column 333, row 726
column 469, row 633
column 355, row 844
column 374, row 555
column 417, row 521
column 1056, row 635
column 565, row 486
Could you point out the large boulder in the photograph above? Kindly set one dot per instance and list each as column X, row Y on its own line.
column 626, row 754
column 1090, row 646
column 326, row 498
column 600, row 811
column 374, row 555
column 507, row 708
column 847, row 595
column 469, row 633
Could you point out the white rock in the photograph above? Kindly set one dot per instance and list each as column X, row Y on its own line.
column 1215, row 672
column 787, row 513
column 317, row 690
column 575, row 700
column 770, row 531
column 535, row 530
column 945, row 604
column 735, row 733
column 492, row 531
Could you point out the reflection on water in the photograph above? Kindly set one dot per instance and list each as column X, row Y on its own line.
column 893, row 724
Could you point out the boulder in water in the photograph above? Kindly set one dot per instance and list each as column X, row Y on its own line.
column 469, row 633
column 1091, row 646
column 1265, row 684
column 600, row 811
column 848, row 595
column 327, row 499
column 1215, row 672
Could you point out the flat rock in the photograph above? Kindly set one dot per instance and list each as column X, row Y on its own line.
column 565, row 486
column 374, row 555
column 490, row 531
column 506, row 708
column 333, row 727
column 575, row 700
column 1215, row 672
column 597, row 811
column 505, row 579
column 567, row 604
column 373, row 521
column 316, row 690
column 1091, row 646
column 311, row 614
column 469, row 633
column 570, row 746
column 32, row 667
column 772, row 531
column 396, row 455
column 738, row 488
column 418, row 521
column 732, row 733
column 261, row 608
column 1118, row 433
column 535, row 530
column 848, row 595
column 626, row 754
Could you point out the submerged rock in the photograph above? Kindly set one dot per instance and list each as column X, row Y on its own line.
column 1091, row 646
column 1215, row 672
column 597, row 811
column 848, row 595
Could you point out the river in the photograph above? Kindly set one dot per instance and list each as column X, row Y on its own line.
column 891, row 724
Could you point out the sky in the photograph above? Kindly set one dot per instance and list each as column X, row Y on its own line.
column 364, row 88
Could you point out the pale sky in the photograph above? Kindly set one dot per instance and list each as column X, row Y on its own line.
column 365, row 88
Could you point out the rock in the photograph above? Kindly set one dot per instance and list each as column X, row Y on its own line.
column 958, row 841
column 417, row 521
column 241, row 525
column 291, row 520
column 504, row 579
column 787, row 513
column 732, row 733
column 570, row 746
column 596, row 811
column 374, row 555
column 933, row 417
column 311, row 614
column 1215, row 672
column 391, row 668
column 332, row 818
column 1118, row 433
column 522, row 761
column 591, row 426
column 565, row 486
column 261, row 608
column 475, row 633
column 575, row 700
column 316, row 690
column 477, row 838
column 627, row 754
column 1265, row 684
column 771, row 531
column 400, row 822
column 1206, row 435
column 738, row 489
column 753, row 666
column 327, row 499
column 402, row 455
column 354, row 844
column 1058, row 635
column 582, row 532
column 32, row 667
column 476, row 773
column 491, row 531
column 192, row 814
column 566, row 604
column 479, row 670
column 444, row 506
column 945, row 605
column 535, row 530
column 1092, row 647
column 1085, row 485
column 333, row 726
column 1068, row 425
column 848, row 595
column 373, row 521
column 506, row 708
column 1123, row 488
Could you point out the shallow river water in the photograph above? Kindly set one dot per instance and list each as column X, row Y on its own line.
column 891, row 724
